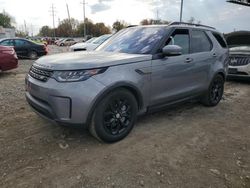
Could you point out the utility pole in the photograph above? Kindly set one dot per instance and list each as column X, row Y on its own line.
column 84, row 22
column 69, row 17
column 157, row 16
column 25, row 27
column 181, row 10
column 31, row 27
column 52, row 10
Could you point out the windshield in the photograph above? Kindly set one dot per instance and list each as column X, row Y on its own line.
column 91, row 40
column 136, row 40
column 101, row 39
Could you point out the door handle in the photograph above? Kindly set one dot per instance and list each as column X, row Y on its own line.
column 188, row 60
column 214, row 55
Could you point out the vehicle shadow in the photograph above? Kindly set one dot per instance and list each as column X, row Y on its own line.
column 241, row 80
column 6, row 74
column 81, row 134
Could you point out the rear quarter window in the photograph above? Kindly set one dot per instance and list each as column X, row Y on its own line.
column 220, row 40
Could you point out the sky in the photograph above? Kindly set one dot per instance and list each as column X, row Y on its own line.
column 226, row 17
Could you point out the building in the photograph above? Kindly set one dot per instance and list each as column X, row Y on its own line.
column 7, row 32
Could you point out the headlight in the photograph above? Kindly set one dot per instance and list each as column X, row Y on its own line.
column 76, row 75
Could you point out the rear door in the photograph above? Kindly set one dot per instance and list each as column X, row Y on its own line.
column 203, row 57
column 22, row 47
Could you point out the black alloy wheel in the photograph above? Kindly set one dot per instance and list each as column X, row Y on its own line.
column 117, row 116
column 215, row 91
column 114, row 116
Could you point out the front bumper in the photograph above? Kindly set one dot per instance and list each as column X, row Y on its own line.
column 64, row 103
column 239, row 71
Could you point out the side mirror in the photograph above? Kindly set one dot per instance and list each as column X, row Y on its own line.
column 172, row 50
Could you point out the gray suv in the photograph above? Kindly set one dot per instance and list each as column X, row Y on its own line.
column 139, row 69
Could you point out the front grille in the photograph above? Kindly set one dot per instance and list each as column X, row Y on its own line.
column 40, row 74
column 239, row 61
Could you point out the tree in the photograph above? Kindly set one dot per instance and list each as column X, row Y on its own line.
column 6, row 20
column 67, row 28
column 21, row 34
column 145, row 22
column 46, row 31
column 152, row 21
column 101, row 29
column 92, row 29
column 118, row 25
column 192, row 20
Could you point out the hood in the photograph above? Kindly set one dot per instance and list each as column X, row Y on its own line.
column 80, row 44
column 240, row 50
column 88, row 60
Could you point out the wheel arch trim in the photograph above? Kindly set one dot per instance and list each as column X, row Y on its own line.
column 129, row 86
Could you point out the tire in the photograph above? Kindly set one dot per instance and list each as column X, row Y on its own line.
column 62, row 44
column 215, row 92
column 33, row 55
column 114, row 117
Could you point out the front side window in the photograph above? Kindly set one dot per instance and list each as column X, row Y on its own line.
column 180, row 37
column 134, row 40
column 200, row 42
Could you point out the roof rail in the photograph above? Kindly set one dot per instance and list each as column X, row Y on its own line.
column 131, row 26
column 185, row 23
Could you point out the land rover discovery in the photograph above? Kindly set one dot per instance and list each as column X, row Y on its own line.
column 139, row 69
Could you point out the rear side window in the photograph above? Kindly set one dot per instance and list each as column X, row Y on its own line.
column 220, row 40
column 21, row 43
column 200, row 42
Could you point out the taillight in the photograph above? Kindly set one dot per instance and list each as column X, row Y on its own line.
column 45, row 48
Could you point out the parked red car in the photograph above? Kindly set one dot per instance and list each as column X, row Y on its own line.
column 8, row 58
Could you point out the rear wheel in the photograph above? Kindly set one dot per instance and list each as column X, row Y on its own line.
column 114, row 117
column 33, row 55
column 215, row 92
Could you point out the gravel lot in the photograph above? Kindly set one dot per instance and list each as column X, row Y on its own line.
column 186, row 146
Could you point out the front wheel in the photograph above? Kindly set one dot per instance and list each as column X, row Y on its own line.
column 215, row 92
column 114, row 117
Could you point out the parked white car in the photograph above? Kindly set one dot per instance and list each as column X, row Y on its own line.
column 239, row 64
column 90, row 45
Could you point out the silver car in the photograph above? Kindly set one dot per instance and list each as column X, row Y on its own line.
column 138, row 70
column 90, row 44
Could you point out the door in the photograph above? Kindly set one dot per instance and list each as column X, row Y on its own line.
column 22, row 47
column 203, row 57
column 174, row 77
